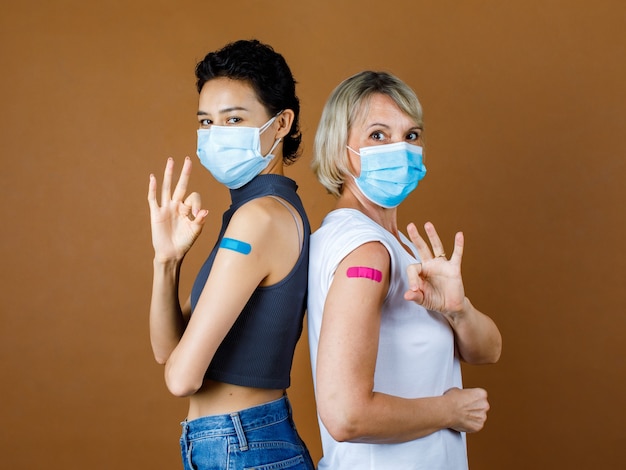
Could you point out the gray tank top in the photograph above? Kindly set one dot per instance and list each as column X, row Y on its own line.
column 258, row 350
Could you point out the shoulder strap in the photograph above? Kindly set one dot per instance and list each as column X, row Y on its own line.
column 294, row 215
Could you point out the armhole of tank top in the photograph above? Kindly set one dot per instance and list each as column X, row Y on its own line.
column 295, row 216
column 379, row 238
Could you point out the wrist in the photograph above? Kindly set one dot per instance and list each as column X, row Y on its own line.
column 464, row 308
column 166, row 264
column 449, row 408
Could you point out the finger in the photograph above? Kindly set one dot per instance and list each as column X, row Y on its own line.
column 181, row 186
column 422, row 247
column 414, row 296
column 459, row 243
column 201, row 217
column 166, row 194
column 195, row 202
column 184, row 210
column 413, row 273
column 434, row 239
column 152, row 185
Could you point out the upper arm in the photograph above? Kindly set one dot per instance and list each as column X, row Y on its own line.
column 233, row 278
column 186, row 309
column 348, row 344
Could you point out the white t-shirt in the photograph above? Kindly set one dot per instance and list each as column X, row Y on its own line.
column 416, row 353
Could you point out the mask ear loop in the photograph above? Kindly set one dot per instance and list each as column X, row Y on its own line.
column 353, row 151
column 276, row 142
column 357, row 154
column 264, row 127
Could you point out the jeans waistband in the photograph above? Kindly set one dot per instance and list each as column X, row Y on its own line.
column 239, row 421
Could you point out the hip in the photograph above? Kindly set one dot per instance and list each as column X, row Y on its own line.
column 261, row 437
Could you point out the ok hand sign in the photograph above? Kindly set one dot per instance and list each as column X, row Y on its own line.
column 178, row 221
column 436, row 282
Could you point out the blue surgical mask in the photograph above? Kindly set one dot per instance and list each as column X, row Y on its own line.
column 233, row 153
column 389, row 172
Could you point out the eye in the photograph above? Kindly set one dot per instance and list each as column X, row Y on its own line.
column 204, row 123
column 377, row 135
column 413, row 135
column 233, row 120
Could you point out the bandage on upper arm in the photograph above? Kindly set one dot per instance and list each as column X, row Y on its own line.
column 236, row 245
column 364, row 272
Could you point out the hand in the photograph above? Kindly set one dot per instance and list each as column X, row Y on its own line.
column 436, row 282
column 470, row 408
column 176, row 223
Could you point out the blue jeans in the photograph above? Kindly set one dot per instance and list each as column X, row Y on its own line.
column 263, row 438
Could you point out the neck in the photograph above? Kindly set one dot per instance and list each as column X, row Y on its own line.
column 386, row 218
column 351, row 198
column 275, row 166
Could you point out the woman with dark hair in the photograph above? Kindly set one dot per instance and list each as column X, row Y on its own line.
column 229, row 348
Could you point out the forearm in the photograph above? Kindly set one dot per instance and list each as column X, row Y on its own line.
column 477, row 337
column 167, row 321
column 386, row 419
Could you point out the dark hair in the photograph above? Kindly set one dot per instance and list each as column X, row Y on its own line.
column 268, row 74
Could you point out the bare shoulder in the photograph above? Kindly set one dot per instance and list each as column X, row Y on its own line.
column 373, row 252
column 257, row 217
column 268, row 227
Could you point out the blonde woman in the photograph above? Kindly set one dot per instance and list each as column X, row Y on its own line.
column 389, row 321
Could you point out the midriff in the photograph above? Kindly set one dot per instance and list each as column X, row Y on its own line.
column 216, row 398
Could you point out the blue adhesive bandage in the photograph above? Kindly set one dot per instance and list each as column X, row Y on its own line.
column 236, row 245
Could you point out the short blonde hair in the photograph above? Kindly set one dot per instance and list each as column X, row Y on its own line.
column 346, row 103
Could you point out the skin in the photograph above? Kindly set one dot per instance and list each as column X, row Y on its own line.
column 186, row 344
column 347, row 404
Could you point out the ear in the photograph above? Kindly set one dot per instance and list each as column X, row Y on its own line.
column 284, row 121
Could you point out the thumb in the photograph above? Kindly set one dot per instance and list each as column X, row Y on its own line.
column 195, row 202
column 414, row 272
column 414, row 293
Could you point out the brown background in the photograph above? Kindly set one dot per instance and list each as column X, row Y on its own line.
column 525, row 110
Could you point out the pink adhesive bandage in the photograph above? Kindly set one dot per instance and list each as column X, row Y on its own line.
column 367, row 273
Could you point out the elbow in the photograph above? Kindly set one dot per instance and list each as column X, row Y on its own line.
column 340, row 428
column 496, row 355
column 491, row 356
column 160, row 354
column 343, row 420
column 180, row 384
column 485, row 361
column 496, row 351
column 488, row 353
column 181, row 390
column 160, row 359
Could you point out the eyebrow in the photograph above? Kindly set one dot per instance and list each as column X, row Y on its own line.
column 224, row 111
column 380, row 124
column 377, row 124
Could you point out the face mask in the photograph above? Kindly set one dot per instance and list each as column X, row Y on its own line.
column 233, row 154
column 389, row 172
